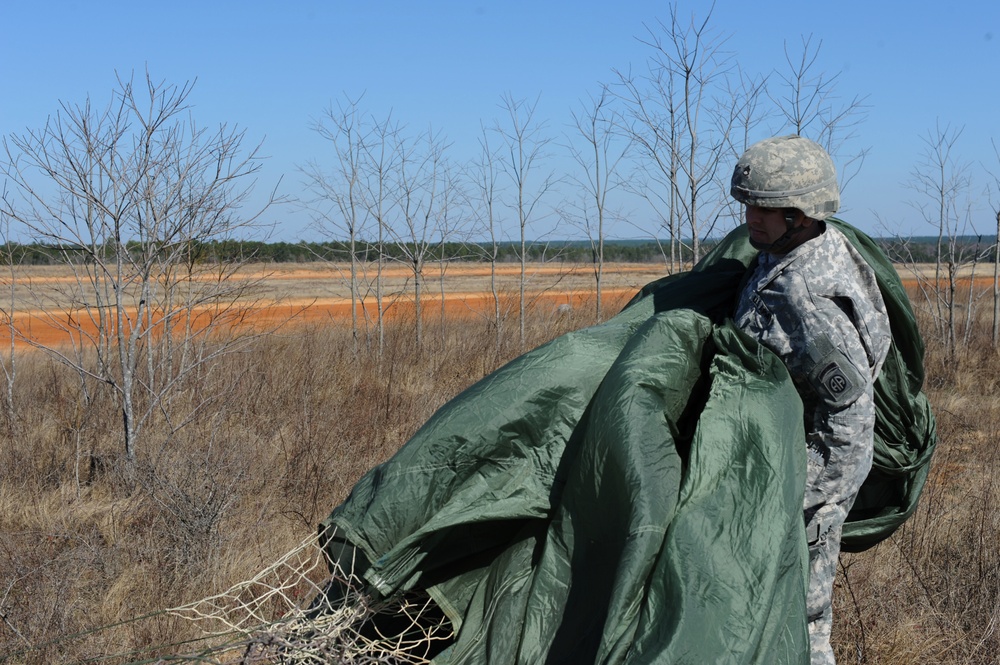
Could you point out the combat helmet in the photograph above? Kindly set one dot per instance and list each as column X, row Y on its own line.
column 787, row 172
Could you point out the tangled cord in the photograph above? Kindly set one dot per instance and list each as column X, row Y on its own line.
column 294, row 612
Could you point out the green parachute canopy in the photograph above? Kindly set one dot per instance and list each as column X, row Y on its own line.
column 630, row 492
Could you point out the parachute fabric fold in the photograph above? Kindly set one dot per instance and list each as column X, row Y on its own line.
column 627, row 493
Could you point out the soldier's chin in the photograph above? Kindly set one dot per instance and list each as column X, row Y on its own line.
column 759, row 246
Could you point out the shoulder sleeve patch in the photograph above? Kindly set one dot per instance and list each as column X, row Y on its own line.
column 834, row 377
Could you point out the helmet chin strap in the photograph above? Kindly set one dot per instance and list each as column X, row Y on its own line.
column 781, row 243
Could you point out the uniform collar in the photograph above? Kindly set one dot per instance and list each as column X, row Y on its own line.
column 771, row 265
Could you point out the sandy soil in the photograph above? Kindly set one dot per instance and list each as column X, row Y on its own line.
column 287, row 294
column 299, row 293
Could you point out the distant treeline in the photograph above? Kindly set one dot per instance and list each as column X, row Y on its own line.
column 919, row 250
column 925, row 249
column 227, row 251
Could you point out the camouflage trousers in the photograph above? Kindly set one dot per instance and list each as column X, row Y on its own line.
column 823, row 530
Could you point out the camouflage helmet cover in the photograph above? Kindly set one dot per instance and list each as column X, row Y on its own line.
column 787, row 172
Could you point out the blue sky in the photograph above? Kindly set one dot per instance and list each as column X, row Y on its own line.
column 272, row 68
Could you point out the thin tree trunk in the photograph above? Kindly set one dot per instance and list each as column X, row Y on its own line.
column 996, row 284
column 520, row 299
column 494, row 289
column 417, row 295
column 354, row 291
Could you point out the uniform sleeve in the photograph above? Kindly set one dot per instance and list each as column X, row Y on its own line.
column 830, row 367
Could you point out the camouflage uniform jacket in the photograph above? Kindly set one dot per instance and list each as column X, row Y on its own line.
column 820, row 310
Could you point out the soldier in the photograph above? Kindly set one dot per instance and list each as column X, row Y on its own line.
column 813, row 300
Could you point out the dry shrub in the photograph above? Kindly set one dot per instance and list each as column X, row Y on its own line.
column 93, row 550
column 931, row 593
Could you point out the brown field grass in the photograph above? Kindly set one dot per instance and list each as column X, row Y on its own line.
column 90, row 554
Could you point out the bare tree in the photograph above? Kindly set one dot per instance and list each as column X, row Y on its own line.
column 810, row 106
column 525, row 144
column 681, row 127
column 381, row 163
column 338, row 195
column 422, row 176
column 599, row 158
column 658, row 146
column 996, row 281
column 941, row 183
column 451, row 227
column 994, row 193
column 484, row 174
column 128, row 196
column 747, row 92
column 8, row 362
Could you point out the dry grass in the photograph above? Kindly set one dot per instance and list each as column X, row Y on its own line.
column 931, row 593
column 85, row 545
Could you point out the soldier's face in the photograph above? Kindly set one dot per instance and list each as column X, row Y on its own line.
column 766, row 225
